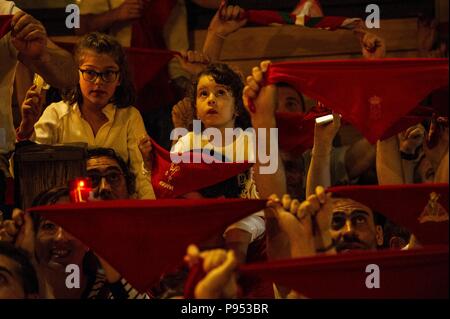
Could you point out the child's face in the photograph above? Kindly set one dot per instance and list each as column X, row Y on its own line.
column 94, row 88
column 214, row 103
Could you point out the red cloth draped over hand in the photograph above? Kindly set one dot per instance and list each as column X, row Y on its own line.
column 420, row 208
column 370, row 94
column 5, row 24
column 172, row 180
column 142, row 239
column 421, row 273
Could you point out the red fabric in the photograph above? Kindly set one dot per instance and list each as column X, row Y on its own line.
column 266, row 17
column 147, row 33
column 148, row 30
column 144, row 238
column 370, row 94
column 172, row 180
column 146, row 64
column 296, row 129
column 406, row 205
column 5, row 24
column 403, row 274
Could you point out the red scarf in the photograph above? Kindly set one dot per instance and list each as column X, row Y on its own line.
column 370, row 94
column 143, row 239
column 421, row 273
column 172, row 180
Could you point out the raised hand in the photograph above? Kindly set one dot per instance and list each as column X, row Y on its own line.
column 372, row 46
column 228, row 19
column 31, row 111
column 220, row 279
column 129, row 10
column 411, row 139
column 183, row 113
column 193, row 62
column 145, row 146
column 260, row 100
column 28, row 36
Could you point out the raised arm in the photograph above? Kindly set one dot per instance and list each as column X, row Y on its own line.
column 42, row 56
column 228, row 19
column 128, row 11
column 269, row 171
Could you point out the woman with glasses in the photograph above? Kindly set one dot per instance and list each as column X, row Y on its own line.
column 97, row 111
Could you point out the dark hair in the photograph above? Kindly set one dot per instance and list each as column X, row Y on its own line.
column 225, row 75
column 287, row 85
column 109, row 152
column 47, row 197
column 101, row 43
column 26, row 271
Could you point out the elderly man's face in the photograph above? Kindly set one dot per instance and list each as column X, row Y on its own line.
column 11, row 286
column 353, row 226
column 108, row 180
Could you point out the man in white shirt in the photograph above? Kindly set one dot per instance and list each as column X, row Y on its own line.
column 27, row 43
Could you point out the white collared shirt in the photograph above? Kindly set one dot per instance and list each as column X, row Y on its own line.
column 61, row 123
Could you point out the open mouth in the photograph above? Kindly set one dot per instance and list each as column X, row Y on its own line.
column 60, row 253
column 212, row 112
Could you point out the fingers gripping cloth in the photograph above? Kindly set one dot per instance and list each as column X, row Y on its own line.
column 372, row 95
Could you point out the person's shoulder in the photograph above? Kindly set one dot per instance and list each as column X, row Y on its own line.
column 58, row 109
column 129, row 111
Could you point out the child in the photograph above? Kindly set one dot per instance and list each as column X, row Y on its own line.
column 97, row 111
column 217, row 96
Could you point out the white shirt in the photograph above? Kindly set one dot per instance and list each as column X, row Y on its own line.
column 8, row 64
column 243, row 149
column 61, row 123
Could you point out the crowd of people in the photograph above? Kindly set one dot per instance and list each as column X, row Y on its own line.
column 97, row 106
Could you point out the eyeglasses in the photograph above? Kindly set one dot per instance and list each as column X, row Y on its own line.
column 107, row 76
column 113, row 178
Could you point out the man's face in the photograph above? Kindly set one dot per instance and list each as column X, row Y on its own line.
column 108, row 179
column 353, row 226
column 11, row 286
column 289, row 100
column 56, row 248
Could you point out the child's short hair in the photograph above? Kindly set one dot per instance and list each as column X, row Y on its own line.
column 101, row 43
column 225, row 75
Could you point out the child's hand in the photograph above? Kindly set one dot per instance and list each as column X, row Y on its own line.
column 228, row 19
column 183, row 113
column 259, row 100
column 145, row 146
column 31, row 111
column 193, row 62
